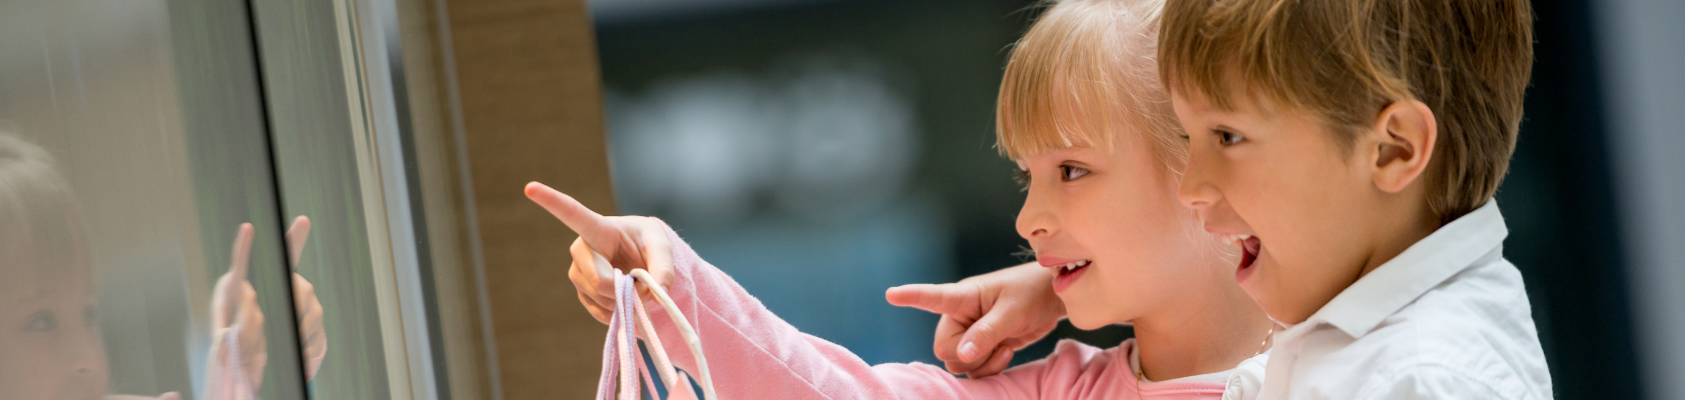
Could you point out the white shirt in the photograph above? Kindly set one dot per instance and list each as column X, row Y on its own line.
column 1446, row 319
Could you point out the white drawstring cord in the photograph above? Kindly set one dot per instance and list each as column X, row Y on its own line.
column 620, row 353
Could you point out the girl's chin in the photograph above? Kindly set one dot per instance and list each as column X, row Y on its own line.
column 1087, row 321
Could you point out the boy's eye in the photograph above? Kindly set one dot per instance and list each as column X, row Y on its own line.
column 1072, row 173
column 42, row 321
column 1227, row 138
column 1023, row 179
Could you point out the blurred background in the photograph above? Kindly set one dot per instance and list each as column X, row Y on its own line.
column 819, row 151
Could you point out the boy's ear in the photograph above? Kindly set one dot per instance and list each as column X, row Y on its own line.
column 1403, row 137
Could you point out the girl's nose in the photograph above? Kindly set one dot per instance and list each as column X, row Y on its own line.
column 1035, row 220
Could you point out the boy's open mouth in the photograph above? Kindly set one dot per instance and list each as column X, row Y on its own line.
column 1249, row 247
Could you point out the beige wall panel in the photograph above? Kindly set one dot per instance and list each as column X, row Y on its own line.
column 532, row 110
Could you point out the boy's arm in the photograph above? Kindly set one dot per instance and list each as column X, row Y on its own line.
column 988, row 317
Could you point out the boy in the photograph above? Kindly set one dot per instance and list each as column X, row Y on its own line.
column 1351, row 149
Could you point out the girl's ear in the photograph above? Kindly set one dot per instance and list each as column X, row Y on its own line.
column 1402, row 141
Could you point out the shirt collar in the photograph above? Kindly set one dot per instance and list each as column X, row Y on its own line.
column 1453, row 248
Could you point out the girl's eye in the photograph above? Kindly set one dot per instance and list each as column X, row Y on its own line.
column 1072, row 173
column 1227, row 138
column 1023, row 179
column 42, row 321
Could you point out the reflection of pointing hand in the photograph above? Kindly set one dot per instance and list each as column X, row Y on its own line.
column 234, row 304
column 988, row 317
column 309, row 308
column 626, row 242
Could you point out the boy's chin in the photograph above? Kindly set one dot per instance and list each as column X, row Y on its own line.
column 1277, row 310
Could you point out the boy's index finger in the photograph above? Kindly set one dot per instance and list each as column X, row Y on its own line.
column 575, row 215
column 940, row 299
column 241, row 256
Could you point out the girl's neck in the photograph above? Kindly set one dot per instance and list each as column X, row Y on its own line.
column 1209, row 330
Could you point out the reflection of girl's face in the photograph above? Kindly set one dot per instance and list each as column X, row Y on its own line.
column 50, row 345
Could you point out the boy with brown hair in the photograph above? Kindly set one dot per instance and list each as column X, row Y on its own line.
column 1351, row 149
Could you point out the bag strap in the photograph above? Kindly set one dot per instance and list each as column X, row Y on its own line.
column 621, row 357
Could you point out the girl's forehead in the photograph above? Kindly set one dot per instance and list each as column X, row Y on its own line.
column 1081, row 150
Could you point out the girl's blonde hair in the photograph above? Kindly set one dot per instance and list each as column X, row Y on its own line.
column 38, row 217
column 1084, row 73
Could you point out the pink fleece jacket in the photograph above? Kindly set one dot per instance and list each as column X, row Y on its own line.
column 752, row 354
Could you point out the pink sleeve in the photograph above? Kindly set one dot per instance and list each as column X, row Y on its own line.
column 753, row 354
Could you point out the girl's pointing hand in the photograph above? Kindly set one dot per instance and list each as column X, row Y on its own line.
column 625, row 242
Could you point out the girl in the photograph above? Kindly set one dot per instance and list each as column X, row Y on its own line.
column 1082, row 113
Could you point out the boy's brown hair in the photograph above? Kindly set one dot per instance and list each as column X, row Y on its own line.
column 1346, row 60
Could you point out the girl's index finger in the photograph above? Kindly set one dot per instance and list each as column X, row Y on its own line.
column 242, row 253
column 577, row 217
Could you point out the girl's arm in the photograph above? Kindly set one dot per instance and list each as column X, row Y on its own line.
column 755, row 355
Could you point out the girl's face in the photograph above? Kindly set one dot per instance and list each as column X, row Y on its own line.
column 1109, row 224
column 50, row 345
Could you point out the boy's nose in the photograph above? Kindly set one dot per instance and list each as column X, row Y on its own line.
column 1195, row 191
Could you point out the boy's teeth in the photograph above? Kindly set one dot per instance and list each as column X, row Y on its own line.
column 1073, row 265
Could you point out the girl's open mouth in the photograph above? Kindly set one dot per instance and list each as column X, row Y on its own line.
column 1068, row 273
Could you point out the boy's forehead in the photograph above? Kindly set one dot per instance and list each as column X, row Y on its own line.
column 1234, row 101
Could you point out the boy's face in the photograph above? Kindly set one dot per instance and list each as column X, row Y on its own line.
column 1117, row 212
column 1279, row 175
column 50, row 344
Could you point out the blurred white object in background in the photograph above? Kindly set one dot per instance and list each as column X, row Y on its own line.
column 828, row 138
column 794, row 180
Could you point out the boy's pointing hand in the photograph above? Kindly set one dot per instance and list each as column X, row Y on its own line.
column 625, row 242
column 986, row 318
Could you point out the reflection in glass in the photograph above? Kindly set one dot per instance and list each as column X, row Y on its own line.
column 133, row 150
column 50, row 345
column 50, row 337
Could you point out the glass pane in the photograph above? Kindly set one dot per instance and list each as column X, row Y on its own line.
column 323, row 158
column 133, row 150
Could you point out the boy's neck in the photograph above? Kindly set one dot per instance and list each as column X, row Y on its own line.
column 1204, row 332
column 1392, row 239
